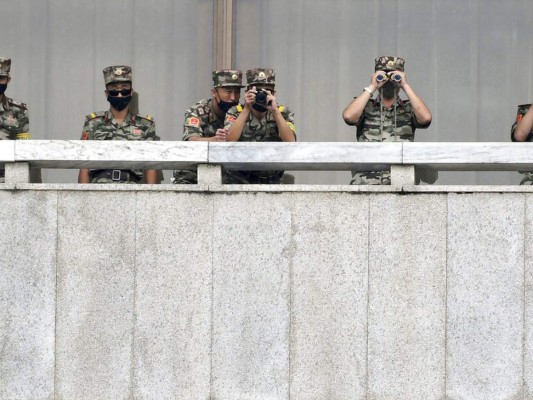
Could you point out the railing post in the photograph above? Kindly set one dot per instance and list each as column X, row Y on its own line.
column 209, row 174
column 402, row 175
column 18, row 172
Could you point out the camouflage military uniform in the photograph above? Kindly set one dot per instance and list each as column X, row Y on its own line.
column 14, row 120
column 103, row 126
column 201, row 120
column 380, row 124
column 264, row 130
column 527, row 178
column 399, row 125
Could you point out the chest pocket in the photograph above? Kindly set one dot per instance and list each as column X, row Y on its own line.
column 272, row 134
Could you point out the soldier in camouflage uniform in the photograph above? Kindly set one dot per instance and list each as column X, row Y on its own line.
column 118, row 124
column 14, row 120
column 386, row 118
column 522, row 131
column 257, row 121
column 204, row 121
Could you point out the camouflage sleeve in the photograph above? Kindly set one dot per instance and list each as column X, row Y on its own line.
column 231, row 116
column 417, row 124
column 288, row 115
column 88, row 129
column 414, row 121
column 149, row 134
column 192, row 126
column 25, row 123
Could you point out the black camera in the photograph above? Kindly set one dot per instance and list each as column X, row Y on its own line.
column 261, row 98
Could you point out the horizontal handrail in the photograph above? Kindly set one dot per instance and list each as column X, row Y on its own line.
column 304, row 156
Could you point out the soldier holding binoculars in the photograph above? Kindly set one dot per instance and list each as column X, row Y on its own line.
column 386, row 118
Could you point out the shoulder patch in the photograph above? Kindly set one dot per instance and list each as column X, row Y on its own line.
column 99, row 114
column 291, row 127
column 192, row 121
column 239, row 108
column 281, row 108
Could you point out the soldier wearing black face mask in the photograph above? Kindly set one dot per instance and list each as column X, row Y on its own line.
column 204, row 121
column 386, row 118
column 260, row 119
column 118, row 124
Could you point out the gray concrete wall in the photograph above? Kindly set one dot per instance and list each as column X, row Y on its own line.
column 135, row 293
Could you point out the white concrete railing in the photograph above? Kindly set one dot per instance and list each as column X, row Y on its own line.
column 401, row 158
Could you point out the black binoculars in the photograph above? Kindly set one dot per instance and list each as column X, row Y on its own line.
column 389, row 75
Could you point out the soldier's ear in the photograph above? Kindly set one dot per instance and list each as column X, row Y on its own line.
column 214, row 92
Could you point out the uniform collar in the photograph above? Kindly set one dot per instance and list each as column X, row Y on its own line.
column 399, row 101
column 129, row 120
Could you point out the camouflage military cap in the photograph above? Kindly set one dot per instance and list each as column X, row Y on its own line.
column 389, row 63
column 227, row 77
column 5, row 66
column 261, row 76
column 117, row 73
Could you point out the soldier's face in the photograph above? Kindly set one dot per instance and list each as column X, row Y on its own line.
column 227, row 94
column 118, row 89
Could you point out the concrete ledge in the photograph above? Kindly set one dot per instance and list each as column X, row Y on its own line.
column 306, row 156
column 7, row 151
column 110, row 154
column 470, row 156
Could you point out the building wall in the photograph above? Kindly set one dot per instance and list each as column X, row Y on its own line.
column 469, row 60
column 170, row 294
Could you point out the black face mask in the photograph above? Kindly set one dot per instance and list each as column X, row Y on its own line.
column 258, row 107
column 119, row 103
column 226, row 105
column 389, row 90
column 3, row 88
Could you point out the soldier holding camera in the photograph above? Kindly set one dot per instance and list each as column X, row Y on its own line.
column 260, row 119
column 386, row 118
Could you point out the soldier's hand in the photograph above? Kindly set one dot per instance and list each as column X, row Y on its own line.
column 374, row 79
column 271, row 101
column 249, row 97
column 221, row 134
column 404, row 79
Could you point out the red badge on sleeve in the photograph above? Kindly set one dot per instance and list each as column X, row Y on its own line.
column 84, row 136
column 230, row 118
column 193, row 121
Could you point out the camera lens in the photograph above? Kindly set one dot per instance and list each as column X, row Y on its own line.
column 261, row 97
